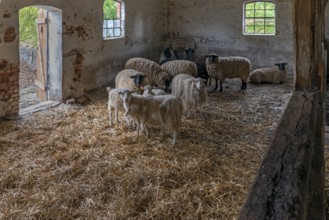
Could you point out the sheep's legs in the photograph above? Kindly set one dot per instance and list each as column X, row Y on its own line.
column 174, row 138
column 110, row 116
column 216, row 84
column 220, row 86
column 244, row 85
column 116, row 115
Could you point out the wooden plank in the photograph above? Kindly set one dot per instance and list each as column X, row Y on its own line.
column 281, row 188
column 42, row 62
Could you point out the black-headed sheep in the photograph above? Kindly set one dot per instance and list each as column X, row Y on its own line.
column 176, row 67
column 130, row 79
column 221, row 68
column 155, row 75
column 274, row 75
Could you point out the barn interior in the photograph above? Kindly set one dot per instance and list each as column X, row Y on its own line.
column 253, row 154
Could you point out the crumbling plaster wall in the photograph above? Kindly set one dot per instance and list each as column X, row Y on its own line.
column 216, row 26
column 88, row 60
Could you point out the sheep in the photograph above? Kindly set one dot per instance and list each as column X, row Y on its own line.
column 184, row 53
column 155, row 75
column 165, row 110
column 274, row 75
column 221, row 68
column 192, row 90
column 166, row 55
column 151, row 91
column 115, row 103
column 176, row 67
column 130, row 79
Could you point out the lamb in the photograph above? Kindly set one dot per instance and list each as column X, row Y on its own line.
column 166, row 55
column 130, row 79
column 192, row 90
column 176, row 67
column 115, row 103
column 155, row 75
column 165, row 110
column 274, row 75
column 151, row 91
column 221, row 68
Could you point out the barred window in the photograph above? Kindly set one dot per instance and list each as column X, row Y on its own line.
column 114, row 18
column 259, row 18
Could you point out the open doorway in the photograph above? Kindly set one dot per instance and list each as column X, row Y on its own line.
column 40, row 56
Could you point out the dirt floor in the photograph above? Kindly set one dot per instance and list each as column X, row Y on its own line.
column 67, row 163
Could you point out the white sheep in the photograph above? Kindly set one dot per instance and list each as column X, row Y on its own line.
column 165, row 110
column 130, row 79
column 151, row 91
column 155, row 74
column 115, row 103
column 192, row 90
column 274, row 75
column 221, row 68
column 176, row 67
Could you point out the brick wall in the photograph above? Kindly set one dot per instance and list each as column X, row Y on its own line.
column 9, row 88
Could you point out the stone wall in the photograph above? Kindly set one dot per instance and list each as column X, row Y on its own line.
column 217, row 27
column 88, row 60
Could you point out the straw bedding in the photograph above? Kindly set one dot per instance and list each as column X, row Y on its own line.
column 67, row 163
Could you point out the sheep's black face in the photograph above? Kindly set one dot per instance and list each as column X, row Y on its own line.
column 212, row 58
column 167, row 53
column 138, row 80
column 189, row 54
column 282, row 66
column 167, row 83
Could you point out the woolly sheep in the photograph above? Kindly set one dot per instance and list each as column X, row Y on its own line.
column 176, row 67
column 221, row 68
column 151, row 91
column 165, row 110
column 130, row 79
column 274, row 75
column 155, row 75
column 166, row 55
column 192, row 90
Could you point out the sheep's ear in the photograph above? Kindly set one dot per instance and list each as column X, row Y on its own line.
column 108, row 89
column 133, row 77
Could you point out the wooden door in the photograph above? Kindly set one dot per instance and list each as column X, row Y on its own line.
column 42, row 55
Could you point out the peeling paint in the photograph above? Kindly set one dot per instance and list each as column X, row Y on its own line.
column 6, row 15
column 82, row 31
column 10, row 35
column 78, row 66
column 3, row 64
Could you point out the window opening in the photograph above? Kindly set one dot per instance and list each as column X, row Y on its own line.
column 259, row 18
column 114, row 14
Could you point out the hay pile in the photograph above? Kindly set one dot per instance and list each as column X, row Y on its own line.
column 67, row 163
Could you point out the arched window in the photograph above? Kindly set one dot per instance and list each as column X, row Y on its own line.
column 259, row 18
column 114, row 19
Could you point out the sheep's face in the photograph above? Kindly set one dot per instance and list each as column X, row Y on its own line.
column 281, row 66
column 168, row 53
column 199, row 84
column 212, row 58
column 138, row 79
column 126, row 95
column 189, row 52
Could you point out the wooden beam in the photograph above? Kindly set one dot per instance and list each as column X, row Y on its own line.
column 289, row 184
